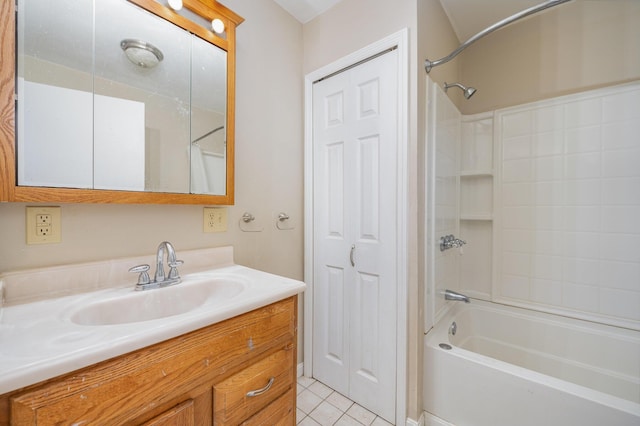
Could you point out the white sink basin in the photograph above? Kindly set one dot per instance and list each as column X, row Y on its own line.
column 136, row 306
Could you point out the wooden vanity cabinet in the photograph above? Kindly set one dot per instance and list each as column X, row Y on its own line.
column 201, row 378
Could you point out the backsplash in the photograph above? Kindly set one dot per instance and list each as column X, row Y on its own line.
column 45, row 283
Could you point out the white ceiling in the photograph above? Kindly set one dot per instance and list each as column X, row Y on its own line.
column 305, row 10
column 468, row 17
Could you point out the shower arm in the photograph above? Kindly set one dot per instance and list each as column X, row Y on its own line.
column 534, row 9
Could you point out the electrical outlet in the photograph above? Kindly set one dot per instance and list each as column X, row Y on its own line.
column 43, row 225
column 215, row 219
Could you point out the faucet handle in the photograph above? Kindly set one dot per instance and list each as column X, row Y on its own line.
column 143, row 278
column 173, row 271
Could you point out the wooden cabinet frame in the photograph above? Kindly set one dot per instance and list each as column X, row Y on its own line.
column 9, row 189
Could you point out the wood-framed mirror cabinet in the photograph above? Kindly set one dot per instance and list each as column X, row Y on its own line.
column 12, row 188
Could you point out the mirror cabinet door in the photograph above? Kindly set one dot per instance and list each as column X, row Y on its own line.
column 55, row 105
column 118, row 98
column 142, row 91
column 208, row 118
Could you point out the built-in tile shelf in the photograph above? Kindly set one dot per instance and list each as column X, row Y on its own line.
column 476, row 196
column 476, row 205
column 477, row 216
column 476, row 173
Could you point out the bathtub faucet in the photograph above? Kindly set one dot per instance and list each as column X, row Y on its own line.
column 452, row 295
column 450, row 241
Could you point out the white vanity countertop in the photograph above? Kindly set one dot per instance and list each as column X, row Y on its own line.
column 39, row 340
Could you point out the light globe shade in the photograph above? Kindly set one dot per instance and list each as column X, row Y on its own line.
column 175, row 4
column 217, row 25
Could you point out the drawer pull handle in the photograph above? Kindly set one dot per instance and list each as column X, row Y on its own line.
column 263, row 390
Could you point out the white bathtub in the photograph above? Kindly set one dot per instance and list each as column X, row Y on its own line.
column 515, row 367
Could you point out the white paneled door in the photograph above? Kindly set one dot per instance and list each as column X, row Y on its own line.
column 355, row 232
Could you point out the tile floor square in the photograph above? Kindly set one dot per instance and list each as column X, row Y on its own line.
column 326, row 414
column 308, row 401
column 320, row 389
column 347, row 420
column 340, row 401
column 379, row 421
column 308, row 421
column 319, row 405
column 361, row 414
column 305, row 381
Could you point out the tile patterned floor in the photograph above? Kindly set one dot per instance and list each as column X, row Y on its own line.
column 319, row 405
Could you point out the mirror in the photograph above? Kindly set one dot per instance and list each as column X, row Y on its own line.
column 128, row 102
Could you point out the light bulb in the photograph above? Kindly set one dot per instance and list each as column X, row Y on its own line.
column 217, row 25
column 175, row 4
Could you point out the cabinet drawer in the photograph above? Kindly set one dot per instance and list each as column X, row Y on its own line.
column 249, row 391
column 279, row 413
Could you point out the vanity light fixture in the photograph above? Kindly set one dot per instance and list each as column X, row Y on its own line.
column 141, row 53
column 175, row 4
column 217, row 25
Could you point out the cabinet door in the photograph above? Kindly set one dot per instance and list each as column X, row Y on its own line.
column 249, row 391
column 180, row 415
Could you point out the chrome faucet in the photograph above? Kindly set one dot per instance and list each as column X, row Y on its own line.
column 159, row 280
column 450, row 241
column 171, row 261
column 452, row 295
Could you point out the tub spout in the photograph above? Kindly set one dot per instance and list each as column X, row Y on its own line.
column 452, row 295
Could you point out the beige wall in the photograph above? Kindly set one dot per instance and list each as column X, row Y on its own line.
column 351, row 25
column 572, row 47
column 269, row 172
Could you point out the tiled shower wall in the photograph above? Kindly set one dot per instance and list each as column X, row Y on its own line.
column 567, row 205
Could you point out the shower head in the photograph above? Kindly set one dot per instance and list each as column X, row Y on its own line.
column 468, row 91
